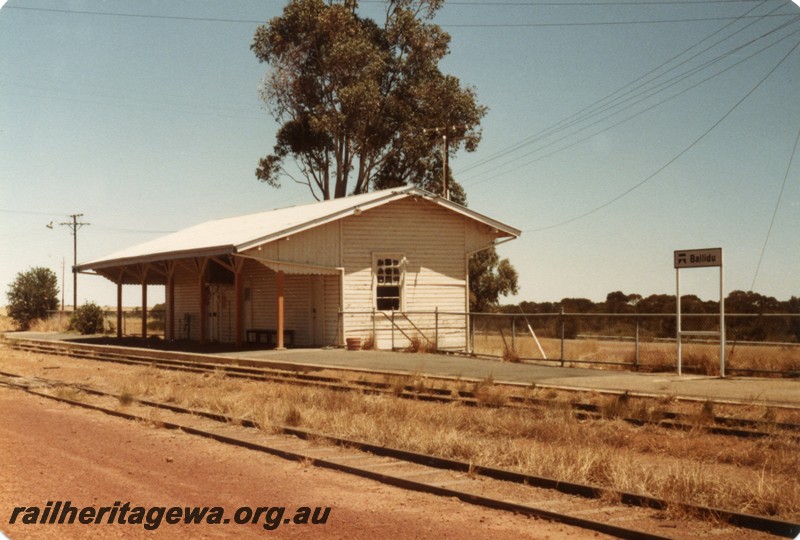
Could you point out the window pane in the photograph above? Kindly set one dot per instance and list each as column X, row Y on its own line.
column 388, row 297
column 388, row 274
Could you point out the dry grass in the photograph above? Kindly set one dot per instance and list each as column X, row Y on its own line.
column 68, row 392
column 419, row 344
column 6, row 324
column 368, row 344
column 696, row 357
column 56, row 323
column 752, row 476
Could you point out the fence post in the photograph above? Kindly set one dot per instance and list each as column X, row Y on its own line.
column 636, row 351
column 562, row 337
column 392, row 329
column 514, row 333
column 471, row 333
column 436, row 332
column 374, row 331
column 339, row 327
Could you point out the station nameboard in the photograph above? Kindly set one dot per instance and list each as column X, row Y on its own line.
column 695, row 258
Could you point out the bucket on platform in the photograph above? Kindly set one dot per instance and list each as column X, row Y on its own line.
column 353, row 344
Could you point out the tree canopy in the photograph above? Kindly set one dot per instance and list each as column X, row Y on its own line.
column 32, row 294
column 357, row 101
column 353, row 96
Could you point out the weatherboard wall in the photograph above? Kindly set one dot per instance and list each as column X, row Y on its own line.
column 333, row 270
column 432, row 242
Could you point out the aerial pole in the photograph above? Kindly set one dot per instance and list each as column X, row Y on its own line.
column 62, row 285
column 74, row 225
column 444, row 132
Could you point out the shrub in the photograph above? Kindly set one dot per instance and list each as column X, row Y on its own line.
column 88, row 319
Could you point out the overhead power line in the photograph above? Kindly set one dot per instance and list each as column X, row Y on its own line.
column 136, row 15
column 605, row 23
column 597, row 106
column 30, row 212
column 675, row 158
column 465, row 25
column 98, row 226
column 672, row 82
column 775, row 211
column 588, row 3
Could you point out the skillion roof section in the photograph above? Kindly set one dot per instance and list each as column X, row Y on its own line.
column 236, row 234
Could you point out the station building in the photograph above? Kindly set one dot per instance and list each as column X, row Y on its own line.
column 389, row 266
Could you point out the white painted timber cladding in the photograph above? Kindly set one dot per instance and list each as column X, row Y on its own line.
column 187, row 303
column 432, row 239
column 264, row 301
column 433, row 242
column 318, row 247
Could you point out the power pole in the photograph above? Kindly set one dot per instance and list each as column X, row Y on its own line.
column 74, row 225
column 444, row 132
column 62, row 285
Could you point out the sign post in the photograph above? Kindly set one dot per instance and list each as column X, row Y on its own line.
column 700, row 258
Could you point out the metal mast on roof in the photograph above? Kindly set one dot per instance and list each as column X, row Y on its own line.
column 444, row 132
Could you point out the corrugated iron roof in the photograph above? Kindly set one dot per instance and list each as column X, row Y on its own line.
column 235, row 234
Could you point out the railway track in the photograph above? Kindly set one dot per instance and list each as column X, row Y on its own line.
column 589, row 507
column 293, row 374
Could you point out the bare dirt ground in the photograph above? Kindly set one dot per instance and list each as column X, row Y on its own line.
column 51, row 451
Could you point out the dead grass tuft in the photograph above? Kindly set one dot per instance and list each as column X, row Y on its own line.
column 368, row 344
column 293, row 417
column 489, row 394
column 56, row 323
column 419, row 344
column 511, row 355
column 68, row 392
column 616, row 406
column 742, row 475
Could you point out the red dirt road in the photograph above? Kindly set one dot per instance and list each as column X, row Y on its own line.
column 53, row 452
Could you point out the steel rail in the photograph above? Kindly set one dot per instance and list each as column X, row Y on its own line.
column 717, row 425
column 749, row 521
column 404, row 483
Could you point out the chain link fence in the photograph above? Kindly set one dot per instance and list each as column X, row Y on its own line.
column 767, row 344
column 131, row 322
column 755, row 344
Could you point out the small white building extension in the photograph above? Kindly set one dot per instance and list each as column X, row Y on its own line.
column 389, row 265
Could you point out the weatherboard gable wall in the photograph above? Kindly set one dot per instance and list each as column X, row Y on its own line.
column 433, row 242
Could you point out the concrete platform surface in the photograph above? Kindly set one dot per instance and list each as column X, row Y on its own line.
column 785, row 392
column 748, row 389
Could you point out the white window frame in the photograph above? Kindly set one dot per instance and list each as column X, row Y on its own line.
column 379, row 277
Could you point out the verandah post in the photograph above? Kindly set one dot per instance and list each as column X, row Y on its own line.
column 279, row 283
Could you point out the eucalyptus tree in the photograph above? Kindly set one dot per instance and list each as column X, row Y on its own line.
column 357, row 100
column 353, row 96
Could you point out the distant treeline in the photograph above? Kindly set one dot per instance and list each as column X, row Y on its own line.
column 752, row 328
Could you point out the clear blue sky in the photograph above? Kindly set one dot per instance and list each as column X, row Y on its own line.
column 149, row 121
